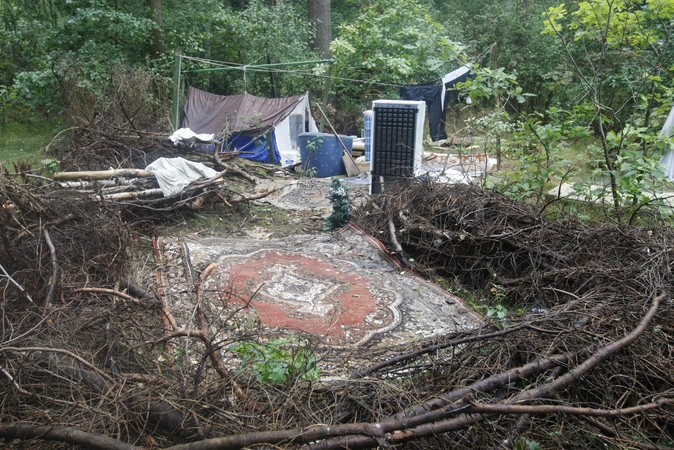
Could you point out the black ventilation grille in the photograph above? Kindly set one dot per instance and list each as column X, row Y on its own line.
column 393, row 132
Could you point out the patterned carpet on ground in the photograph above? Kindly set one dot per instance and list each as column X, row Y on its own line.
column 340, row 286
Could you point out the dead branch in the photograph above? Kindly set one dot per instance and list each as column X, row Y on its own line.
column 488, row 384
column 436, row 347
column 17, row 285
column 109, row 292
column 148, row 193
column 238, row 171
column 54, row 275
column 103, row 174
column 68, row 435
column 562, row 409
column 47, row 350
column 211, row 347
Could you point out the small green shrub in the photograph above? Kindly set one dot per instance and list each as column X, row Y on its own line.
column 527, row 444
column 279, row 360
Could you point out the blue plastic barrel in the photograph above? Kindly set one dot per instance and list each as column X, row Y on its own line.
column 323, row 153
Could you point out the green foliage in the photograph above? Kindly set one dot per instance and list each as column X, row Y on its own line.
column 45, row 43
column 527, row 444
column 487, row 86
column 538, row 146
column 391, row 42
column 279, row 360
column 618, row 51
column 341, row 209
column 259, row 33
column 515, row 27
column 312, row 146
column 528, row 181
column 491, row 83
column 51, row 166
column 86, row 39
column 640, row 176
column 309, row 172
column 498, row 311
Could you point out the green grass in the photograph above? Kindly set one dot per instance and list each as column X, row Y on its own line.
column 25, row 142
column 585, row 156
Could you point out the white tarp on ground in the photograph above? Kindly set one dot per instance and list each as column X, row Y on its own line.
column 174, row 174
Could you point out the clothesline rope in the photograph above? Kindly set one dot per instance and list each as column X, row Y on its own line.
column 247, row 67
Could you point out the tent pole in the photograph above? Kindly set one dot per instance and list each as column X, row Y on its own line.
column 494, row 55
column 176, row 90
column 326, row 95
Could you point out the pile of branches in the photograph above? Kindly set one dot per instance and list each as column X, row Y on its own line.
column 35, row 220
column 487, row 242
column 581, row 360
column 122, row 123
column 136, row 192
column 115, row 132
column 591, row 291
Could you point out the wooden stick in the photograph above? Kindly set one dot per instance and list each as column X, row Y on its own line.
column 109, row 292
column 346, row 150
column 131, row 195
column 103, row 174
column 54, row 275
column 18, row 286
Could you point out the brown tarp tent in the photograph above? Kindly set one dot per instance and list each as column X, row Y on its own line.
column 242, row 113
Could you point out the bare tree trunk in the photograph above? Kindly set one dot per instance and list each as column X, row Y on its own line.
column 157, row 46
column 319, row 16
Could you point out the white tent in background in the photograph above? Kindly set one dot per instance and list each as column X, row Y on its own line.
column 668, row 158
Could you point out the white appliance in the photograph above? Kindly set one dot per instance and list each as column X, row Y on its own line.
column 397, row 141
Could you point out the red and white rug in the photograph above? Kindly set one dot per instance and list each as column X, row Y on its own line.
column 340, row 286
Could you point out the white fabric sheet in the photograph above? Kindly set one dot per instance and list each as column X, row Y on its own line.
column 189, row 136
column 668, row 158
column 668, row 161
column 174, row 174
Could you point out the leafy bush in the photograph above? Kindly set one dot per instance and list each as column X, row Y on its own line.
column 392, row 42
column 279, row 360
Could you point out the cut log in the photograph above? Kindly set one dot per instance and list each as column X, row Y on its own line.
column 132, row 195
column 89, row 184
column 102, row 174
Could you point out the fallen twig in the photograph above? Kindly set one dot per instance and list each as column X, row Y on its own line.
column 54, row 276
column 17, row 285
